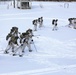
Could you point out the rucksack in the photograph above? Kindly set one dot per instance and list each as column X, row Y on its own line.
column 33, row 22
column 53, row 21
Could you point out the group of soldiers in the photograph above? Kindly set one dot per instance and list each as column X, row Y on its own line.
column 72, row 23
column 18, row 41
column 37, row 22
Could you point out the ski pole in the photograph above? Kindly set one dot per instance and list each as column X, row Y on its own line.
column 36, row 36
column 34, row 46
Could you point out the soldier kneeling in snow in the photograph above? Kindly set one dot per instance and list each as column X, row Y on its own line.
column 54, row 22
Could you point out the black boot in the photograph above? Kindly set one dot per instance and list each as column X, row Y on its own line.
column 14, row 54
column 12, row 50
column 20, row 55
column 30, row 50
column 23, row 51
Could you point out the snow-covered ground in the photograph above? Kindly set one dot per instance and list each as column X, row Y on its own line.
column 56, row 50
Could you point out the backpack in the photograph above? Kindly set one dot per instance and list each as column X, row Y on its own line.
column 33, row 22
column 39, row 19
column 53, row 21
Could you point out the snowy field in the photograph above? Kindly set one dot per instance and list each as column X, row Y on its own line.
column 56, row 50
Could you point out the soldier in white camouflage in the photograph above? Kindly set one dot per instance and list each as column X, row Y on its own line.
column 40, row 21
column 54, row 23
column 35, row 24
column 12, row 38
column 25, row 42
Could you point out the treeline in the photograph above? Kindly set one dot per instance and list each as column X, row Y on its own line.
column 5, row 0
column 55, row 0
column 43, row 0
